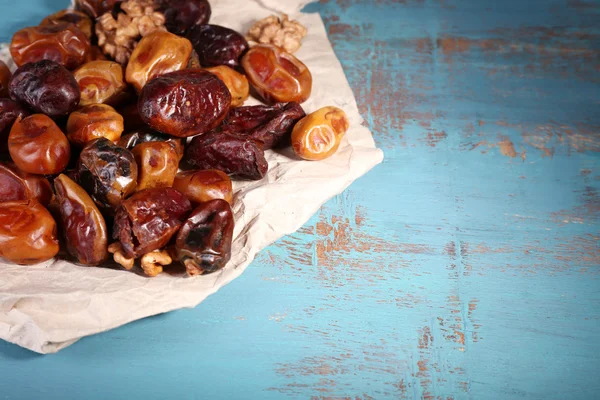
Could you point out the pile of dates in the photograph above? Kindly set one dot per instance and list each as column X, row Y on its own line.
column 134, row 162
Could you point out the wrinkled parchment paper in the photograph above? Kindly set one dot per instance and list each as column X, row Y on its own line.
column 49, row 306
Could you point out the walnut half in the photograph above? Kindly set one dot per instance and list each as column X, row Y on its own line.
column 282, row 32
column 117, row 251
column 152, row 263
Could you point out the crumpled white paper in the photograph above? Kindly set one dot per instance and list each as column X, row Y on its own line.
column 49, row 306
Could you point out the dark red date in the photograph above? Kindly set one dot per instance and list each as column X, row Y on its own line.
column 5, row 75
column 95, row 8
column 203, row 243
column 18, row 185
column 9, row 112
column 148, row 220
column 184, row 103
column 45, row 87
column 181, row 15
column 240, row 156
column 217, row 45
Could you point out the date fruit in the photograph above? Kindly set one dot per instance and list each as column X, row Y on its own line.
column 100, row 82
column 157, row 54
column 236, row 83
column 204, row 185
column 272, row 125
column 148, row 220
column 157, row 164
column 108, row 173
column 203, row 243
column 93, row 122
column 38, row 146
column 5, row 76
column 62, row 42
column 184, row 103
column 276, row 75
column 143, row 135
column 80, row 19
column 319, row 134
column 95, row 8
column 240, row 156
column 27, row 232
column 181, row 15
column 18, row 185
column 9, row 111
column 217, row 45
column 46, row 87
column 82, row 223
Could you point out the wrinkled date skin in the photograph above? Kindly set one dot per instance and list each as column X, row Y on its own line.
column 38, row 146
column 236, row 83
column 203, row 243
column 93, row 122
column 62, row 42
column 181, row 15
column 95, row 8
column 272, row 125
column 319, row 134
column 82, row 223
column 217, row 45
column 5, row 76
column 18, row 185
column 45, row 87
column 156, row 54
column 204, row 185
column 276, row 75
column 184, row 103
column 132, row 139
column 239, row 156
column 107, row 172
column 100, row 82
column 27, row 232
column 9, row 111
column 148, row 220
column 157, row 164
column 80, row 19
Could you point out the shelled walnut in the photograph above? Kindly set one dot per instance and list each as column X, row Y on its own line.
column 282, row 32
column 137, row 18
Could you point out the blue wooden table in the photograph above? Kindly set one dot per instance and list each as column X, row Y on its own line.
column 465, row 266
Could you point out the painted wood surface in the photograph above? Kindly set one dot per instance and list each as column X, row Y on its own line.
column 465, row 266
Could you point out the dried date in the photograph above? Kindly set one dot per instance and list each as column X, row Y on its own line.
column 148, row 220
column 319, row 134
column 95, row 8
column 181, row 15
column 236, row 83
column 204, row 185
column 240, row 156
column 101, row 82
column 80, row 19
column 184, row 103
column 157, row 164
column 93, row 122
column 27, row 232
column 217, row 45
column 82, row 223
column 203, row 243
column 18, row 185
column 45, row 87
column 143, row 135
column 107, row 172
column 9, row 111
column 5, row 76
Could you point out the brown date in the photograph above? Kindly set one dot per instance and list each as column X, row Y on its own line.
column 204, row 185
column 272, row 125
column 107, row 172
column 236, row 83
column 93, row 122
column 217, row 45
column 240, row 156
column 319, row 134
column 82, row 223
column 5, row 76
column 276, row 75
column 62, row 42
column 184, row 103
column 38, row 146
column 157, row 54
column 181, row 15
column 157, row 164
column 95, row 8
column 80, row 19
column 148, row 220
column 203, row 243
column 9, row 111
column 27, row 232
column 143, row 135
column 46, row 87
column 100, row 82
column 18, row 185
